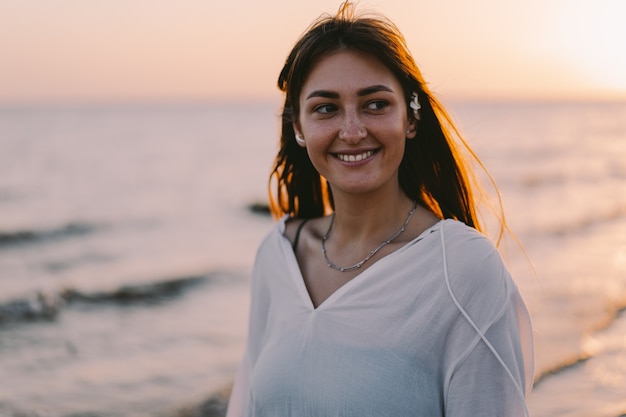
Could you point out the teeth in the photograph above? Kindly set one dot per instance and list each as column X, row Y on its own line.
column 355, row 158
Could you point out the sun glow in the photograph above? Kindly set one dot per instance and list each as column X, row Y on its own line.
column 194, row 49
column 594, row 36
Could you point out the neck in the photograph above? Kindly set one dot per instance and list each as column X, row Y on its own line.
column 369, row 218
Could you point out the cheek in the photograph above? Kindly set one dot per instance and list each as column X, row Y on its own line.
column 317, row 152
column 319, row 135
column 318, row 159
column 392, row 133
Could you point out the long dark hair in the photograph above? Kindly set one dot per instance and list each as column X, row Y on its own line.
column 433, row 171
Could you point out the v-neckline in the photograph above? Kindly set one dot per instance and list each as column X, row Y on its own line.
column 299, row 278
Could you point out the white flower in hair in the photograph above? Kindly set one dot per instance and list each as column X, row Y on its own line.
column 415, row 105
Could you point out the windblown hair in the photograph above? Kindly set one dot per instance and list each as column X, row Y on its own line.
column 433, row 171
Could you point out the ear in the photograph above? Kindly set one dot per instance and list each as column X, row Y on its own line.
column 411, row 130
column 298, row 134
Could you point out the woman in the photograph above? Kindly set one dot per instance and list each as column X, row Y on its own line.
column 376, row 294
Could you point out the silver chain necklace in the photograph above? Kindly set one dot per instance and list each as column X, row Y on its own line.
column 369, row 255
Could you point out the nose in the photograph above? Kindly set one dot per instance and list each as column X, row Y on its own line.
column 352, row 129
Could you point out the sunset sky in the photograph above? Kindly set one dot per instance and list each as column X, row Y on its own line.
column 115, row 50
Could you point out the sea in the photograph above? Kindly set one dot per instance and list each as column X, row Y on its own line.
column 128, row 233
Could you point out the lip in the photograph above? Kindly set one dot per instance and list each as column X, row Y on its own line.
column 355, row 156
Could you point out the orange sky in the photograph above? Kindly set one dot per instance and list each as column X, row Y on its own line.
column 76, row 50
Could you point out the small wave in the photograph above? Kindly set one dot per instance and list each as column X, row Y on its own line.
column 58, row 265
column 586, row 354
column 44, row 306
column 8, row 410
column 153, row 291
column 563, row 366
column 20, row 237
column 38, row 306
column 259, row 208
column 213, row 406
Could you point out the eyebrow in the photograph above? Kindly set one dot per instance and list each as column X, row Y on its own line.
column 362, row 92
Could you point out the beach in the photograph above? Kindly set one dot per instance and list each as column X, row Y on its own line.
column 127, row 240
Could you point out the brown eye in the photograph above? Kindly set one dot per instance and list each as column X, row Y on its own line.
column 325, row 108
column 377, row 105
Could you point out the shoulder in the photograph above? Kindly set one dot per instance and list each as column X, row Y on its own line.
column 292, row 228
column 285, row 232
column 273, row 237
column 457, row 232
column 466, row 246
column 475, row 271
column 270, row 254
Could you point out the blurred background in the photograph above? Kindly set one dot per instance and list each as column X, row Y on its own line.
column 142, row 50
column 135, row 136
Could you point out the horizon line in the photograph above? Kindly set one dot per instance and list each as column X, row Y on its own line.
column 96, row 101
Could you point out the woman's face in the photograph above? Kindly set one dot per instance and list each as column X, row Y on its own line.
column 353, row 117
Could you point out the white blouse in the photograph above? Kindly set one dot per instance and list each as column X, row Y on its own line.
column 436, row 328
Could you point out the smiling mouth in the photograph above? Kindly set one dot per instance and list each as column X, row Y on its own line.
column 355, row 157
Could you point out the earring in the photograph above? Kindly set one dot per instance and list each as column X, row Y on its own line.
column 301, row 141
column 415, row 105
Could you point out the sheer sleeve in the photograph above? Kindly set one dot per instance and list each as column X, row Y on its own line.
column 491, row 350
column 257, row 321
column 495, row 376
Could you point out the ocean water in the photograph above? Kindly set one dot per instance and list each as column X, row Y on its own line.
column 126, row 243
